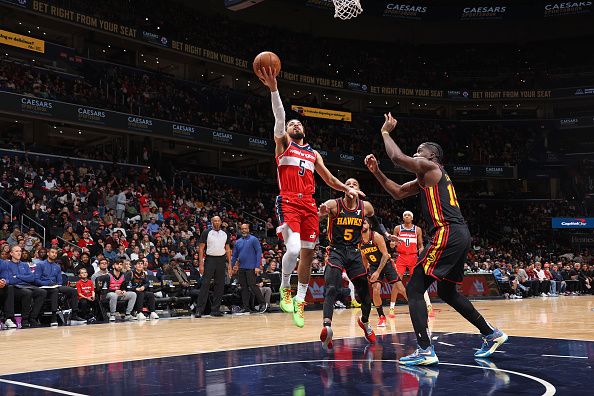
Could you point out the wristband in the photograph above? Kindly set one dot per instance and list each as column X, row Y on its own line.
column 385, row 132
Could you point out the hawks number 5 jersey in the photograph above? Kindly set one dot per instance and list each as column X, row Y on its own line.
column 345, row 228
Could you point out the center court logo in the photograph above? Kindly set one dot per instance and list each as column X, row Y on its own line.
column 405, row 11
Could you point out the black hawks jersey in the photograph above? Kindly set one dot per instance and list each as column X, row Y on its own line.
column 439, row 204
column 370, row 250
column 344, row 229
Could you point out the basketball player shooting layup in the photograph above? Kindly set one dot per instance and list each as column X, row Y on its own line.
column 295, row 206
column 443, row 259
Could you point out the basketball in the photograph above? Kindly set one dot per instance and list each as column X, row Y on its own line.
column 266, row 59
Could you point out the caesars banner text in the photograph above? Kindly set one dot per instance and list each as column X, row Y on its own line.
column 20, row 41
column 132, row 32
column 95, row 117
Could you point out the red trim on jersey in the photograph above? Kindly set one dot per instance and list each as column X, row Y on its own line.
column 358, row 207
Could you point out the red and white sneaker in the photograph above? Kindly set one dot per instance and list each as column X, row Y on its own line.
column 391, row 313
column 326, row 338
column 382, row 321
column 369, row 334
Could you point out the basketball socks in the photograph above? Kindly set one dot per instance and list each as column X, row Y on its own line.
column 289, row 261
column 392, row 305
column 301, row 291
column 380, row 310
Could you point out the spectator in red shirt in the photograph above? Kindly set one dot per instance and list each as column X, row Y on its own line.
column 144, row 206
column 86, row 294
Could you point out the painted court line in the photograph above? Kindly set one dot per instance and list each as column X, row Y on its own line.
column 398, row 343
column 570, row 357
column 445, row 343
column 44, row 388
column 550, row 390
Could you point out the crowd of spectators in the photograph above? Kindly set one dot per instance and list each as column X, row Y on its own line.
column 95, row 216
column 149, row 94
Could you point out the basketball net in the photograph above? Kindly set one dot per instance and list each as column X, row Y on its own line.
column 347, row 9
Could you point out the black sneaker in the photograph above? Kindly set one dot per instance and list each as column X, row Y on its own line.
column 77, row 318
column 264, row 307
column 34, row 323
column 242, row 311
column 25, row 324
column 218, row 313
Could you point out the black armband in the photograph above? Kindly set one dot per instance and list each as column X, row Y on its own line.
column 376, row 225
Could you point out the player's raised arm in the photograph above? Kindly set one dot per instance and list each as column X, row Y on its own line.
column 332, row 181
column 396, row 190
column 417, row 165
column 280, row 133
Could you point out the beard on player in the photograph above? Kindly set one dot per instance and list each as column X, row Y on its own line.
column 295, row 130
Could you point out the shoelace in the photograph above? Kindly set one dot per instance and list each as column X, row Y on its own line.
column 300, row 308
column 287, row 296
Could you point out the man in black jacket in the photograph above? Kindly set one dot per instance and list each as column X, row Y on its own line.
column 138, row 283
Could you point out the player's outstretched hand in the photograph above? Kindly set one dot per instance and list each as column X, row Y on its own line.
column 268, row 78
column 323, row 210
column 393, row 238
column 371, row 163
column 352, row 193
column 389, row 123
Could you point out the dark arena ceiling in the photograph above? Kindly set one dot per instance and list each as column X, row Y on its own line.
column 419, row 22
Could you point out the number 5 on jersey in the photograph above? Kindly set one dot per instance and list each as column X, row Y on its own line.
column 348, row 234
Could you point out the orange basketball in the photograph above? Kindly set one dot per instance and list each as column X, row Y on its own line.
column 266, row 59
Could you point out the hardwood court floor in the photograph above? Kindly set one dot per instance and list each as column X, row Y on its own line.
column 50, row 348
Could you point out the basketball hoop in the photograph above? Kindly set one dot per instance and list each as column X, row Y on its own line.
column 347, row 9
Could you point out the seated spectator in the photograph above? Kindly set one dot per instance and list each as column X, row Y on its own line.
column 101, row 269
column 265, row 290
column 272, row 267
column 570, row 276
column 86, row 294
column 545, row 284
column 48, row 275
column 19, row 275
column 557, row 277
column 139, row 283
column 85, row 262
column 186, row 288
column 109, row 253
column 117, row 291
